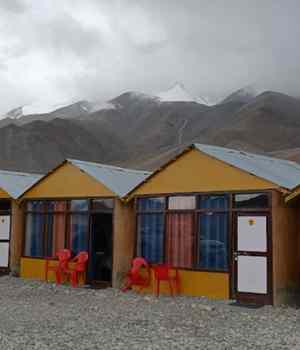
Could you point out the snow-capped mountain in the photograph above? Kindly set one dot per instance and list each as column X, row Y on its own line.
column 66, row 109
column 178, row 93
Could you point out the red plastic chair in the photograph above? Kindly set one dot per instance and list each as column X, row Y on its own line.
column 80, row 266
column 59, row 269
column 135, row 277
column 168, row 274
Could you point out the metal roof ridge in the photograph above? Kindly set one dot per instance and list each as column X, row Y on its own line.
column 269, row 158
column 108, row 166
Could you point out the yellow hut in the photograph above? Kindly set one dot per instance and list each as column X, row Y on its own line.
column 78, row 206
column 220, row 217
column 12, row 186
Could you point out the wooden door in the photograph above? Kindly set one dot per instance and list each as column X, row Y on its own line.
column 252, row 258
column 4, row 241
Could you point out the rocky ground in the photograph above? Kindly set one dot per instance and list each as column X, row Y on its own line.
column 37, row 315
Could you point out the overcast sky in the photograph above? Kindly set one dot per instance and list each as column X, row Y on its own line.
column 96, row 49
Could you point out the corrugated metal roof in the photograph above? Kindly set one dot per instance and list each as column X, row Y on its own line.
column 281, row 172
column 118, row 180
column 16, row 183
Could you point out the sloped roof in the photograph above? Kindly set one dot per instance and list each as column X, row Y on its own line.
column 283, row 173
column 16, row 183
column 118, row 180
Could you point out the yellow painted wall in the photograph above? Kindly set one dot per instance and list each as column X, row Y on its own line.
column 213, row 285
column 68, row 181
column 35, row 269
column 195, row 171
column 4, row 194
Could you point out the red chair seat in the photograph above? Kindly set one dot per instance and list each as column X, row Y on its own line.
column 135, row 277
column 166, row 273
column 60, row 267
column 80, row 265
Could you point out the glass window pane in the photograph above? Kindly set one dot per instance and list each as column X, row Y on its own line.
column 251, row 200
column 4, row 205
column 79, row 232
column 56, row 205
column 35, row 205
column 150, row 238
column 179, row 239
column 182, row 202
column 213, row 241
column 214, row 202
column 154, row 203
column 79, row 205
column 103, row 204
column 34, row 235
column 56, row 227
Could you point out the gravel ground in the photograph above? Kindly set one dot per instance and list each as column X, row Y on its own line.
column 37, row 315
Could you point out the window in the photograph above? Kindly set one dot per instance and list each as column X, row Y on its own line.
column 151, row 204
column 35, row 206
column 79, row 205
column 4, row 205
column 150, row 229
column 54, row 225
column 34, row 238
column 151, row 237
column 251, row 200
column 179, row 239
column 214, row 202
column 182, row 203
column 103, row 204
column 213, row 241
column 79, row 229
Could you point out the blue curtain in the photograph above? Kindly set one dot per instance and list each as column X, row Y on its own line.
column 79, row 232
column 213, row 241
column 151, row 237
column 34, row 235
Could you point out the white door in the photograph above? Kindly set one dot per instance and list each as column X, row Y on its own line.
column 251, row 255
column 4, row 240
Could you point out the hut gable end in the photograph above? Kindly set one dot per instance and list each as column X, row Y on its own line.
column 195, row 171
column 68, row 181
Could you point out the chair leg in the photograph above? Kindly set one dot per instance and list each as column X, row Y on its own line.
column 74, row 279
column 171, row 288
column 157, row 287
column 58, row 277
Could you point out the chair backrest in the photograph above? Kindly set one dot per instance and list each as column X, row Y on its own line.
column 138, row 263
column 162, row 272
column 64, row 255
column 81, row 259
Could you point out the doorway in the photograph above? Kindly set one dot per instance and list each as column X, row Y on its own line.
column 100, row 269
column 252, row 259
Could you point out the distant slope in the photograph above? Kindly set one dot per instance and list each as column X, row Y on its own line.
column 38, row 146
column 138, row 130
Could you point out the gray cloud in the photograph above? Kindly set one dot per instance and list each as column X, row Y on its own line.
column 97, row 49
column 16, row 6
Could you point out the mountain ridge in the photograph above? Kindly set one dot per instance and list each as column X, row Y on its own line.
column 138, row 130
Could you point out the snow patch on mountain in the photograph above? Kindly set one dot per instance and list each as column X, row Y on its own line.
column 45, row 106
column 178, row 93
